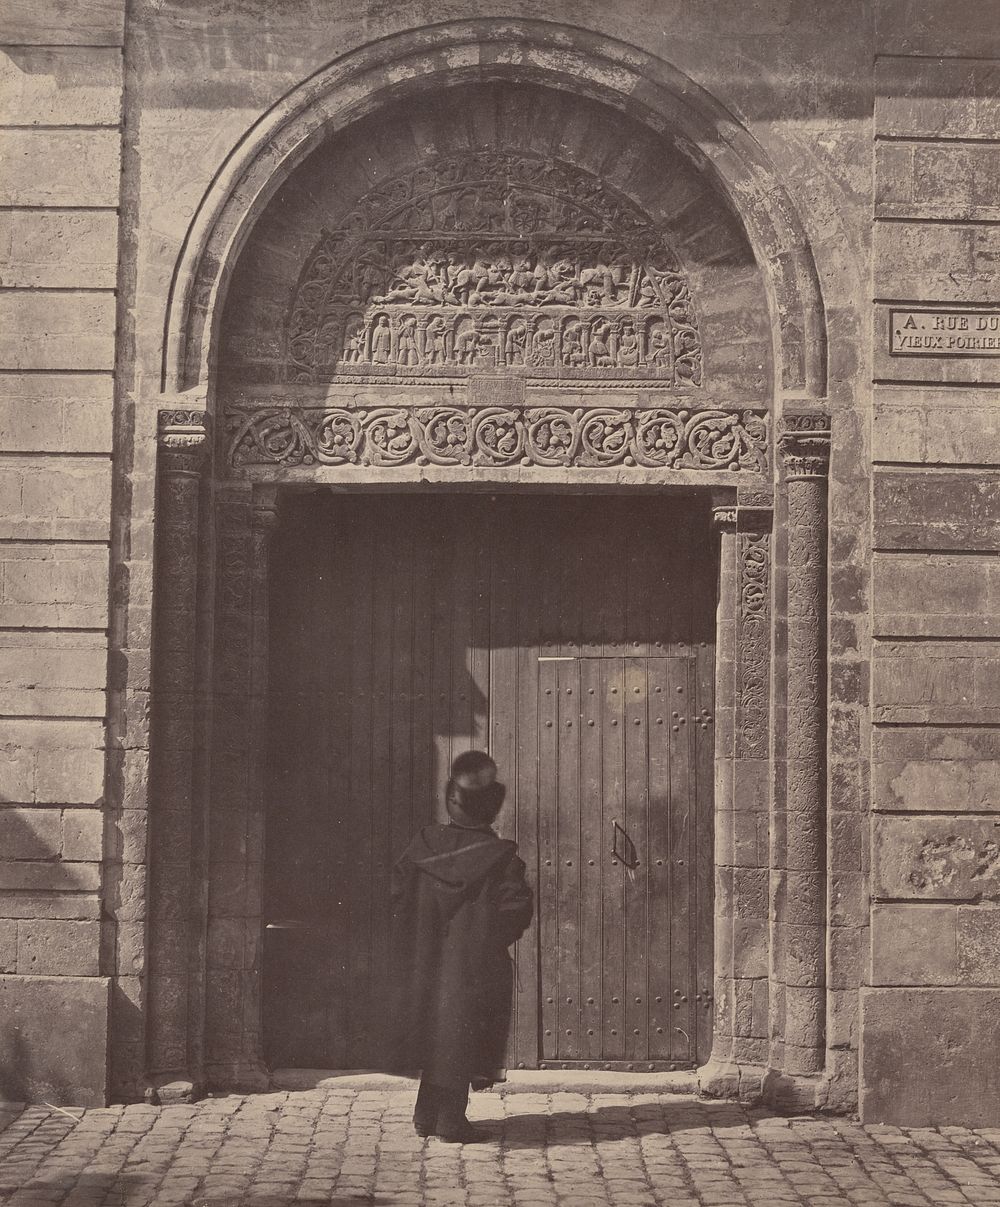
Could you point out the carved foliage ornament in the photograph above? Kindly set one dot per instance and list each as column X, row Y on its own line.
column 487, row 261
column 753, row 635
column 657, row 437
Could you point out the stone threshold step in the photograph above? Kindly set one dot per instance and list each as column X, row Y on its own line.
column 519, row 1081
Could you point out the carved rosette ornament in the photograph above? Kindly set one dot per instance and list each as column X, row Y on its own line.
column 655, row 437
column 800, row 855
column 490, row 260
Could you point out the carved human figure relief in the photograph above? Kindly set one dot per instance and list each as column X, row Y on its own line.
column 489, row 261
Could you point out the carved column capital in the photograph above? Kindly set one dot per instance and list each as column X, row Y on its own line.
column 724, row 511
column 804, row 443
column 724, row 518
column 182, row 436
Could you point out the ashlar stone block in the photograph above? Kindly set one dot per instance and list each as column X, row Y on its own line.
column 936, row 858
column 50, row 947
column 30, row 833
column 922, row 1057
column 914, row 945
column 68, row 1064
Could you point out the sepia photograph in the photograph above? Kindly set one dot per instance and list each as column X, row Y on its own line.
column 499, row 603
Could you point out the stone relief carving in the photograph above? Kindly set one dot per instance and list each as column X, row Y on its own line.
column 753, row 635
column 487, row 261
column 657, row 437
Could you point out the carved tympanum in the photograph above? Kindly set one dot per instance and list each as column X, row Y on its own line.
column 487, row 261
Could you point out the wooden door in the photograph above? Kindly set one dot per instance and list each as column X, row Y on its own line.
column 571, row 636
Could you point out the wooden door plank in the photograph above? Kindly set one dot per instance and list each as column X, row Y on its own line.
column 681, row 845
column 593, row 854
column 426, row 583
column 524, row 586
column 658, row 861
column 568, row 858
column 439, row 571
column 478, row 656
column 704, row 869
column 330, row 650
column 636, row 887
column 462, row 590
column 548, row 853
column 613, row 895
column 360, row 561
column 388, row 551
column 407, row 564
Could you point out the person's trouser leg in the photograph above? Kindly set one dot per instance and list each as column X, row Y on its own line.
column 425, row 1109
column 451, row 1107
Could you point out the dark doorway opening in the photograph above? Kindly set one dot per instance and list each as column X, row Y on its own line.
column 572, row 636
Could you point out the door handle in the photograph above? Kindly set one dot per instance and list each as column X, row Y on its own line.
column 622, row 847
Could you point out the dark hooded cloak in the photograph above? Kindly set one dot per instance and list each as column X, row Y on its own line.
column 459, row 900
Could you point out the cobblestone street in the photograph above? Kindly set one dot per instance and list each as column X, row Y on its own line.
column 341, row 1148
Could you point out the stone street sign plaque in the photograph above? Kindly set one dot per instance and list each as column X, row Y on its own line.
column 944, row 332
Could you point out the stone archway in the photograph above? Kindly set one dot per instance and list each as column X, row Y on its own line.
column 770, row 895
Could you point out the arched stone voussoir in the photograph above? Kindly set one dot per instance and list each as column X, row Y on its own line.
column 560, row 56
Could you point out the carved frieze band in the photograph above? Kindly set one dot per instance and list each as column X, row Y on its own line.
column 657, row 437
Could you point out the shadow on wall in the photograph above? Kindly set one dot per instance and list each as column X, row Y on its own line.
column 52, row 999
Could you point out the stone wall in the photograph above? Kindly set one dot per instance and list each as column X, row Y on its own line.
column 101, row 184
column 61, row 82
column 931, row 1015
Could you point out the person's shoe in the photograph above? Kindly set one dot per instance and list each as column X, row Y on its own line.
column 462, row 1133
column 423, row 1128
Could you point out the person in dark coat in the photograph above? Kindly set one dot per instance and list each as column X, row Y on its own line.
column 459, row 900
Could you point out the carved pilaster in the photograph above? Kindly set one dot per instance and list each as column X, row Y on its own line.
column 246, row 521
column 799, row 829
column 720, row 1075
column 738, row 1056
column 182, row 448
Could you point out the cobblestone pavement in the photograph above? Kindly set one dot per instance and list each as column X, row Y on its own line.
column 347, row 1148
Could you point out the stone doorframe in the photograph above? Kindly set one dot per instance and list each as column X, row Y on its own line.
column 210, row 624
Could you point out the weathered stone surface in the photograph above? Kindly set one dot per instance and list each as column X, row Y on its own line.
column 922, row 424
column 937, row 510
column 56, row 412
column 951, row 97
column 54, row 674
column 30, row 833
column 57, row 947
column 68, row 1063
column 57, row 330
column 937, row 180
column 58, row 249
column 947, row 681
column 8, row 945
column 26, row 904
column 62, row 22
column 54, row 875
column 59, row 167
column 926, row 28
column 936, row 768
column 978, row 945
column 60, row 85
column 931, row 262
column 935, row 595
column 44, row 499
column 914, row 945
column 951, row 1029
column 82, row 834
column 936, row 858
column 53, row 586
